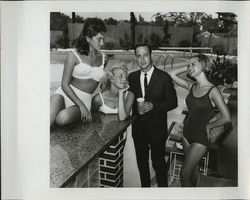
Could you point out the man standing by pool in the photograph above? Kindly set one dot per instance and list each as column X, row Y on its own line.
column 149, row 131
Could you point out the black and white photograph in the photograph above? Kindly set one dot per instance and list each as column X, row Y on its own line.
column 125, row 100
column 143, row 99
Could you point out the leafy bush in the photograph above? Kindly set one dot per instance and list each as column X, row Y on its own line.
column 234, row 52
column 109, row 45
column 223, row 72
column 59, row 21
column 125, row 43
column 63, row 41
column 167, row 34
column 155, row 41
column 196, row 43
column 74, row 42
column 53, row 46
column 140, row 39
column 219, row 49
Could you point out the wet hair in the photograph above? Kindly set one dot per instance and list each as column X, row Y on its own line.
column 205, row 62
column 143, row 45
column 106, row 81
column 91, row 27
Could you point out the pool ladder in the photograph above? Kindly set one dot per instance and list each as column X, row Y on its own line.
column 165, row 60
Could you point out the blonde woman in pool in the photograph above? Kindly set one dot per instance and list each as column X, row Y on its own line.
column 115, row 97
column 83, row 69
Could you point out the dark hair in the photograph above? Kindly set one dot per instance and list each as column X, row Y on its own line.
column 204, row 60
column 91, row 27
column 143, row 45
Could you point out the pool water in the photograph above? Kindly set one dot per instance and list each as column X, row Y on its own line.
column 57, row 59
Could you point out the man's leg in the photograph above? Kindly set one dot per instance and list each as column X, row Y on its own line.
column 142, row 156
column 159, row 163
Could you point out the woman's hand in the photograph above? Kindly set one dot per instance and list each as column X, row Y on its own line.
column 85, row 114
column 174, row 73
column 124, row 89
column 122, row 108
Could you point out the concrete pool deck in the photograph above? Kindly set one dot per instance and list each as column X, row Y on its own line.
column 227, row 155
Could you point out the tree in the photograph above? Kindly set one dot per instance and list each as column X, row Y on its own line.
column 133, row 23
column 59, row 22
column 228, row 20
column 198, row 21
column 141, row 19
column 111, row 21
column 79, row 19
column 167, row 35
column 159, row 20
column 126, row 42
column 63, row 41
column 173, row 18
column 155, row 41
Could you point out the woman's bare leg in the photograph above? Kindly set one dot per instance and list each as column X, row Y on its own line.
column 196, row 171
column 68, row 116
column 192, row 159
column 56, row 105
column 185, row 144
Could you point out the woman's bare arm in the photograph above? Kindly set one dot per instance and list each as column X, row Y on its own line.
column 177, row 79
column 218, row 100
column 66, row 79
column 125, row 106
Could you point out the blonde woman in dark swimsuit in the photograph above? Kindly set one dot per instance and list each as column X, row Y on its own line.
column 203, row 97
column 83, row 69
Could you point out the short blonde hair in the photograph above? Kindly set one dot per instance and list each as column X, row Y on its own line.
column 205, row 62
column 106, row 81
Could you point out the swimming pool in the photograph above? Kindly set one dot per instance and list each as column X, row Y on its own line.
column 57, row 59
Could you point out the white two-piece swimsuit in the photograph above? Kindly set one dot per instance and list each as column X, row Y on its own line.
column 83, row 71
column 106, row 109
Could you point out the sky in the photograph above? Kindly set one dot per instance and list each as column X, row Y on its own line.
column 148, row 16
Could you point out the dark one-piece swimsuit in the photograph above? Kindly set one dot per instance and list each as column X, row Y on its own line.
column 200, row 111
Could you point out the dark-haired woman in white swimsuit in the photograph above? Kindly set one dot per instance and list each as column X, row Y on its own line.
column 83, row 69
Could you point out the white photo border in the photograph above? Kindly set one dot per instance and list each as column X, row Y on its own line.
column 31, row 163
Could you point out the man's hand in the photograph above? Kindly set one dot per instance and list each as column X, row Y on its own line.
column 146, row 106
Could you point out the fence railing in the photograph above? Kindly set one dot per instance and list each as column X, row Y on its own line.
column 190, row 49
